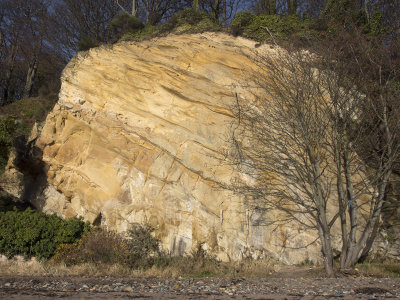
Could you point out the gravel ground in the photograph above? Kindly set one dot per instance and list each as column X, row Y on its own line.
column 205, row 288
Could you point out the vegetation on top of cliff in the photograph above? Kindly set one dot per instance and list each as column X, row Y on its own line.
column 186, row 21
column 277, row 28
column 246, row 24
column 270, row 27
column 38, row 37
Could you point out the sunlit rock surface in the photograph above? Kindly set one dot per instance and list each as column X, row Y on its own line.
column 139, row 134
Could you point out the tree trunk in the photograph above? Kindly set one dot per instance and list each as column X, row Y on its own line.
column 323, row 227
column 133, row 7
column 329, row 257
column 196, row 5
column 216, row 11
column 223, row 13
column 352, row 205
column 292, row 7
column 272, row 7
column 9, row 71
column 5, row 89
column 369, row 243
column 30, row 78
column 367, row 234
column 366, row 11
column 324, row 235
column 6, row 85
column 342, row 202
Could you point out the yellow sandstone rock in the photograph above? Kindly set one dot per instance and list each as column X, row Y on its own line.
column 138, row 136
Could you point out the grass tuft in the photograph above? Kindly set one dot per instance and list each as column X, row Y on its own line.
column 385, row 270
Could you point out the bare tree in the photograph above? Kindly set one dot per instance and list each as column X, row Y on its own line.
column 12, row 29
column 373, row 136
column 221, row 10
column 303, row 137
column 123, row 5
column 37, row 22
column 157, row 11
column 134, row 8
column 223, row 22
column 267, row 7
column 280, row 145
column 85, row 20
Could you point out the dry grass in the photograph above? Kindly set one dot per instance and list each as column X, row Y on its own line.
column 189, row 267
column 391, row 270
column 46, row 268
column 172, row 267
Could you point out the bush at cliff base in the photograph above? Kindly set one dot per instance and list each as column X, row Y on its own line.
column 138, row 250
column 32, row 233
column 96, row 246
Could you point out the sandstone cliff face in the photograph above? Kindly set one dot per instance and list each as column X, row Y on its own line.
column 138, row 134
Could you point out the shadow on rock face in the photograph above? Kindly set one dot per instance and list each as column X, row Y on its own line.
column 29, row 162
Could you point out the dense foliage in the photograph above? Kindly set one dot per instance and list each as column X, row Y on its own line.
column 186, row 21
column 31, row 233
column 142, row 244
column 269, row 27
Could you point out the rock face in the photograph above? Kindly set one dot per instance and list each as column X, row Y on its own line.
column 138, row 135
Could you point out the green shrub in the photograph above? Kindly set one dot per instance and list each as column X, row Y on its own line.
column 376, row 24
column 241, row 21
column 87, row 43
column 32, row 233
column 191, row 21
column 281, row 27
column 142, row 245
column 185, row 21
column 147, row 32
column 124, row 23
column 189, row 16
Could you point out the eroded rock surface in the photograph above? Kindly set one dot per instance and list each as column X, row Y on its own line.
column 139, row 134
